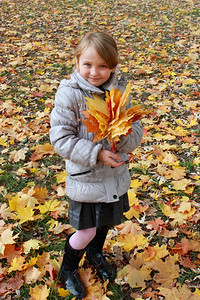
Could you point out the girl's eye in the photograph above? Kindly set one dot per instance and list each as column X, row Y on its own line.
column 87, row 64
column 103, row 66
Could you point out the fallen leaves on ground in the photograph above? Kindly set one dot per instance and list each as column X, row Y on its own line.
column 156, row 249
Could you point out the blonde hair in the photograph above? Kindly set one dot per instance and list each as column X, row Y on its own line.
column 103, row 43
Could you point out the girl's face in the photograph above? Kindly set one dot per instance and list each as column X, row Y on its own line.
column 92, row 67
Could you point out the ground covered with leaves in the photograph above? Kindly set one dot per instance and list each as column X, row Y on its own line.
column 156, row 249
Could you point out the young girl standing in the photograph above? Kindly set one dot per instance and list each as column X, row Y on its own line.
column 98, row 179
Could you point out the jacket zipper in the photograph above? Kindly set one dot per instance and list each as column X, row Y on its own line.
column 83, row 173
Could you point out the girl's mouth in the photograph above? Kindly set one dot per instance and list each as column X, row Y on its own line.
column 94, row 79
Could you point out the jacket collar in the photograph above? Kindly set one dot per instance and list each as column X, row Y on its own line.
column 77, row 81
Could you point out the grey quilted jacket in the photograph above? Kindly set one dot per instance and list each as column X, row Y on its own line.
column 88, row 180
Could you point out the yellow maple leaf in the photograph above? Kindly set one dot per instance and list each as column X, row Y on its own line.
column 48, row 206
column 135, row 208
column 133, row 212
column 189, row 81
column 161, row 251
column 24, row 214
column 122, row 41
column 23, row 199
column 197, row 292
column 131, row 241
column 3, row 143
column 196, row 161
column 39, row 292
column 31, row 262
column 7, row 237
column 177, row 216
column 31, row 244
column 181, row 184
column 177, row 173
column 60, row 178
column 136, row 183
column 14, row 202
column 133, row 200
column 63, row 293
column 17, row 264
column 142, row 258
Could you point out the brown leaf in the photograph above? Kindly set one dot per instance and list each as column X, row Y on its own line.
column 11, row 284
column 168, row 271
column 178, row 292
column 41, row 193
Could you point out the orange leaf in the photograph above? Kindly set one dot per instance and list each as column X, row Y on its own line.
column 41, row 193
column 41, row 150
column 158, row 224
column 110, row 118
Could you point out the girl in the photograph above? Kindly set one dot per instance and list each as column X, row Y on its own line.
column 98, row 179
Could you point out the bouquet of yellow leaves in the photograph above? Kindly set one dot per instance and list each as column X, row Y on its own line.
column 109, row 118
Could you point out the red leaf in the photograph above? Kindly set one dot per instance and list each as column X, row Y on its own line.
column 181, row 248
column 37, row 94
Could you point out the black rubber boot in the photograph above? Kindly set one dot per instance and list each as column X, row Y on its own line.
column 69, row 271
column 95, row 257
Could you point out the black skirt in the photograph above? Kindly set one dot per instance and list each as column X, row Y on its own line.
column 88, row 215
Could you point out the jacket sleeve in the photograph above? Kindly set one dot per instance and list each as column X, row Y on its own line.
column 64, row 131
column 133, row 140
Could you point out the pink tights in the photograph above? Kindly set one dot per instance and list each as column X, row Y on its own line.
column 81, row 238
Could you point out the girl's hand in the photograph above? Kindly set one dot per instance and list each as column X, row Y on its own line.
column 109, row 158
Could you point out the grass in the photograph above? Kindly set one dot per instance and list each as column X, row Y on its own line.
column 149, row 28
column 12, row 182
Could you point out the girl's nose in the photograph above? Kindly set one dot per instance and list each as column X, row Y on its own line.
column 94, row 71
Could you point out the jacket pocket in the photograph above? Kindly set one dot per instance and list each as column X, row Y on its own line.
column 83, row 173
